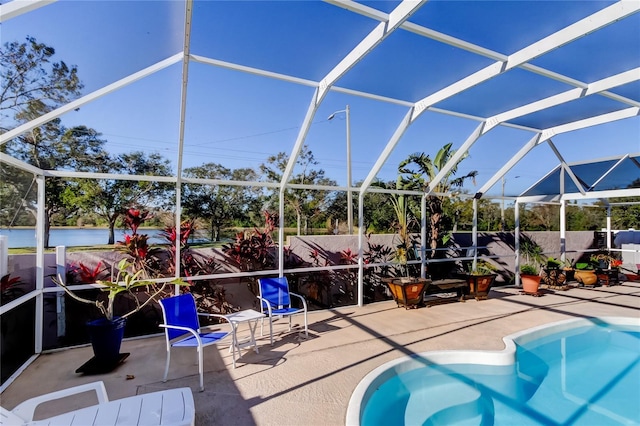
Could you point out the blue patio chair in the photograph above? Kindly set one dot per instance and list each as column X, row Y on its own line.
column 275, row 301
column 182, row 329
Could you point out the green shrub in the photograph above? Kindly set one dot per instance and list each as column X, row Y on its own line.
column 528, row 270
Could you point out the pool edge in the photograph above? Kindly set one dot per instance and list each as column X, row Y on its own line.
column 505, row 356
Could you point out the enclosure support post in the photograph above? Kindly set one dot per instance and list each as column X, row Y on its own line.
column 563, row 230
column 41, row 184
column 516, row 213
column 349, row 193
column 474, row 234
column 423, row 236
column 281, row 233
column 361, row 231
column 61, row 273
column 609, row 228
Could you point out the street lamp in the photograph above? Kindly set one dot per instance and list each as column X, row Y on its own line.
column 349, row 194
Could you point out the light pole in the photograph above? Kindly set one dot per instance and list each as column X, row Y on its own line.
column 349, row 194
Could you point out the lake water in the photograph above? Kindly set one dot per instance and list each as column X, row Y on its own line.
column 26, row 237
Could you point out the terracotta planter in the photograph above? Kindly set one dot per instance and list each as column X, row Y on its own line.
column 480, row 285
column 407, row 292
column 530, row 283
column 586, row 276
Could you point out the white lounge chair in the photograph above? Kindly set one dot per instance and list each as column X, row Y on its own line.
column 167, row 407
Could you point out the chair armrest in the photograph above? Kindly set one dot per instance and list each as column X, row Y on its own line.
column 265, row 302
column 27, row 408
column 187, row 329
column 206, row 314
column 304, row 302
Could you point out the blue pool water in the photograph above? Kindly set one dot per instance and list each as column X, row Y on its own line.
column 587, row 375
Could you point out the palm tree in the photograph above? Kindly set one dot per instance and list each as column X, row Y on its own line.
column 416, row 172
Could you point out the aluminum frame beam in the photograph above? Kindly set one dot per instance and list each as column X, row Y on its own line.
column 456, row 157
column 564, row 97
column 574, row 31
column 400, row 14
column 16, row 8
column 590, row 122
column 566, row 168
column 532, row 143
column 188, row 13
column 470, row 47
column 566, row 35
column 89, row 98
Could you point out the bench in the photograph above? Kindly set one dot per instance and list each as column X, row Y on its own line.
column 448, row 285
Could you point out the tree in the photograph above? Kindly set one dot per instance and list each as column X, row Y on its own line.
column 488, row 215
column 304, row 203
column 627, row 215
column 110, row 198
column 378, row 212
column 52, row 147
column 218, row 204
column 544, row 217
column 417, row 172
column 34, row 85
column 28, row 74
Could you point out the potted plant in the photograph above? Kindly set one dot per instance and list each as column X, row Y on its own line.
column 530, row 270
column 106, row 333
column 552, row 275
column 569, row 271
column 607, row 267
column 406, row 290
column 480, row 279
column 530, row 278
column 585, row 273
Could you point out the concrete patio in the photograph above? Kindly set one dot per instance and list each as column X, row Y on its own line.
column 309, row 382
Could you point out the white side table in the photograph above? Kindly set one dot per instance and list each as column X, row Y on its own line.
column 251, row 317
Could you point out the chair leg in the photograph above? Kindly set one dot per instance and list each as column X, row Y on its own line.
column 306, row 329
column 271, row 329
column 234, row 343
column 166, row 367
column 201, row 367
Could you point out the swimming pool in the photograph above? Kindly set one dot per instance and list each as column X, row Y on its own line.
column 580, row 371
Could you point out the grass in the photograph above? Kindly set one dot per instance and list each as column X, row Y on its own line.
column 101, row 247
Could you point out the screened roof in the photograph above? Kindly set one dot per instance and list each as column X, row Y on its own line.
column 608, row 174
column 513, row 83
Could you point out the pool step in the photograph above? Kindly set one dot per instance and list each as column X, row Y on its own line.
column 467, row 405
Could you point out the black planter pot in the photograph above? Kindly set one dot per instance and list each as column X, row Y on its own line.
column 106, row 338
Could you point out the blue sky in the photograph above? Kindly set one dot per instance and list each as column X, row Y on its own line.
column 239, row 119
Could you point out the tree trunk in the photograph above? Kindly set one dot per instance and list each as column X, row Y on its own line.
column 435, row 232
column 47, row 230
column 298, row 220
column 215, row 231
column 112, row 233
column 435, row 210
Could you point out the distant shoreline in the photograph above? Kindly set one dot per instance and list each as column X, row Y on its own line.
column 74, row 227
